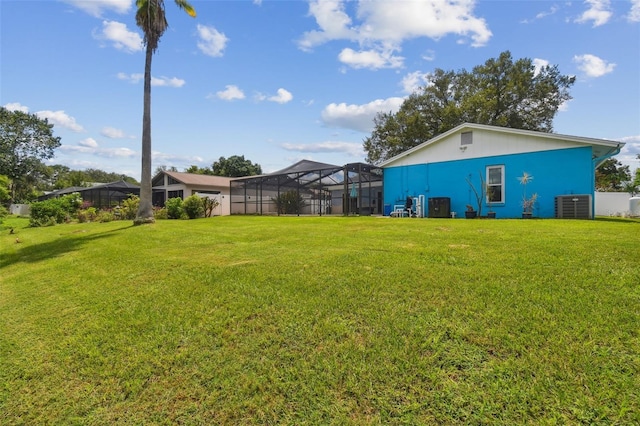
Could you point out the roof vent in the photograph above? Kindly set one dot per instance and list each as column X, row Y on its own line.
column 466, row 138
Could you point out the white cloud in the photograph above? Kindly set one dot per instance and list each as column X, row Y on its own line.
column 630, row 151
column 373, row 59
column 383, row 26
column 554, row 8
column 163, row 157
column 96, row 7
column 230, row 93
column 539, row 64
column 358, row 117
column 333, row 21
column 592, row 66
column 429, row 55
column 89, row 143
column 350, row 148
column 121, row 38
column 16, row 106
column 167, row 81
column 112, row 133
column 413, row 81
column 598, row 12
column 89, row 146
column 57, row 118
column 282, row 97
column 634, row 12
column 212, row 42
column 132, row 78
column 155, row 81
column 397, row 21
column 60, row 118
column 564, row 106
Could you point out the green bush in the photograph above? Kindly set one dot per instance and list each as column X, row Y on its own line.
column 289, row 202
column 88, row 215
column 55, row 210
column 3, row 212
column 160, row 213
column 174, row 208
column 129, row 207
column 193, row 207
column 106, row 216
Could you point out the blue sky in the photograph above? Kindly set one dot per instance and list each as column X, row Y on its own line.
column 279, row 81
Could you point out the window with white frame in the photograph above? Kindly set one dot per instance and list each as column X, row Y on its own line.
column 495, row 184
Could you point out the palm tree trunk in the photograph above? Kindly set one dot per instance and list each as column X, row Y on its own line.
column 145, row 210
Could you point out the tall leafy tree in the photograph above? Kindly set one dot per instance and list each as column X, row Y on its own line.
column 58, row 176
column 235, row 166
column 500, row 92
column 198, row 170
column 164, row 168
column 25, row 141
column 611, row 175
column 151, row 19
column 5, row 182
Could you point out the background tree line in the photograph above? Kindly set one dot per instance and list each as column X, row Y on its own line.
column 501, row 92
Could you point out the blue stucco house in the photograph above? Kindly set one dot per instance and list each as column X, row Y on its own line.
column 441, row 177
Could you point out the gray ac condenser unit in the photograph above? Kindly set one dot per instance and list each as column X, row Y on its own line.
column 574, row 206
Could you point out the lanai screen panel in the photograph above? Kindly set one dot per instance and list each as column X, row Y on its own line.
column 309, row 188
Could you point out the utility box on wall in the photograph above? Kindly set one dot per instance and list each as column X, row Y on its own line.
column 574, row 206
column 439, row 207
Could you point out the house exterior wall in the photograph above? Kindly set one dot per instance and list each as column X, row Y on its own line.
column 485, row 143
column 223, row 197
column 441, row 172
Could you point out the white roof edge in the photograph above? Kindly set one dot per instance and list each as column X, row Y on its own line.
column 557, row 136
column 177, row 176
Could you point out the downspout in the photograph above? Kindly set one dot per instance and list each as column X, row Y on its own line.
column 594, row 163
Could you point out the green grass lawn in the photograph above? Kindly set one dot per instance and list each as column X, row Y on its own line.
column 321, row 320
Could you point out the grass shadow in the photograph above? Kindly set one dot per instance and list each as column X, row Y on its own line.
column 617, row 219
column 67, row 243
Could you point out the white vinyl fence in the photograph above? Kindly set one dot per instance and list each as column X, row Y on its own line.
column 612, row 203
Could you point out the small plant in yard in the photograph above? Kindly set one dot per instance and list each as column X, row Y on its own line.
column 480, row 194
column 528, row 202
column 470, row 213
column 290, row 202
column 89, row 214
column 160, row 212
column 193, row 206
column 174, row 208
column 106, row 216
column 129, row 207
column 55, row 210
column 210, row 205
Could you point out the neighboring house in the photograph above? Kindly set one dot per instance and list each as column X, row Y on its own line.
column 175, row 184
column 100, row 195
column 439, row 171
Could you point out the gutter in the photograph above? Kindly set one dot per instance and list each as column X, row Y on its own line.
column 615, row 151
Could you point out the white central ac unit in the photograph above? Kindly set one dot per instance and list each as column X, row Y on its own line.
column 574, row 206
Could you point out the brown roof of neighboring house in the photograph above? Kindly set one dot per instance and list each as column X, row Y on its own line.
column 197, row 179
